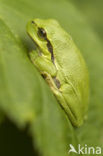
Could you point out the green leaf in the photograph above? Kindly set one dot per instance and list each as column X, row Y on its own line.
column 93, row 12
column 16, row 90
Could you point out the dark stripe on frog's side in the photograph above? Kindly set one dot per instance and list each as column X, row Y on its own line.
column 50, row 49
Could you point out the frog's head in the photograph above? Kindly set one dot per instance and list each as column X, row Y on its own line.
column 41, row 31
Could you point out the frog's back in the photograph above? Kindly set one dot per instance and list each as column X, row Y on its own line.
column 70, row 62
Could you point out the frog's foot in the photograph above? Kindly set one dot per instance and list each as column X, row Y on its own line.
column 49, row 80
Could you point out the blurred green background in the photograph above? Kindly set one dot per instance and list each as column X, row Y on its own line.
column 32, row 123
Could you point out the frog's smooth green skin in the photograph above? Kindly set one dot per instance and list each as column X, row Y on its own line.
column 61, row 64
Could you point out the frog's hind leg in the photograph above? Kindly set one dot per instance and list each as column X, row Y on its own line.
column 72, row 104
column 63, row 103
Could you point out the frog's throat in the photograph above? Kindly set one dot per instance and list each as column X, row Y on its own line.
column 38, row 49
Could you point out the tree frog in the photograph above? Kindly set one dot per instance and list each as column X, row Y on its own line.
column 61, row 64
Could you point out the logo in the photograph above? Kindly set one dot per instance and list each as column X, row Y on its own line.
column 85, row 149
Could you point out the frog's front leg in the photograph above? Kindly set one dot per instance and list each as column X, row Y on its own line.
column 43, row 64
column 46, row 68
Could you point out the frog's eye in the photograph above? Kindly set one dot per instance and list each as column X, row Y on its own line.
column 42, row 33
column 32, row 22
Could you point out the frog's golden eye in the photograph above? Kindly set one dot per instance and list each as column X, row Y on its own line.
column 42, row 33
